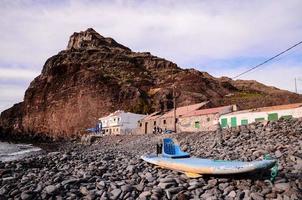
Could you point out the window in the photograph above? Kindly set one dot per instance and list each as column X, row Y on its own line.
column 197, row 124
column 287, row 116
column 208, row 119
column 118, row 119
column 233, row 121
column 176, row 120
column 140, row 124
column 164, row 121
column 154, row 123
column 272, row 117
column 260, row 119
column 224, row 122
column 244, row 122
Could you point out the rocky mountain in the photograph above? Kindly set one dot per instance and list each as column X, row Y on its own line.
column 96, row 75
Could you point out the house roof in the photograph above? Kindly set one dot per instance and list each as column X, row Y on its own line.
column 152, row 116
column 220, row 110
column 184, row 109
column 117, row 113
column 268, row 109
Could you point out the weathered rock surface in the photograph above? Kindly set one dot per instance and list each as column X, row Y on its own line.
column 109, row 169
column 96, row 75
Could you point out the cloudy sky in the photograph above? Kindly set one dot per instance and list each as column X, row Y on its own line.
column 223, row 38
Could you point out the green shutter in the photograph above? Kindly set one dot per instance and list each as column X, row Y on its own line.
column 197, row 124
column 260, row 119
column 287, row 116
column 272, row 117
column 233, row 121
column 244, row 122
column 224, row 122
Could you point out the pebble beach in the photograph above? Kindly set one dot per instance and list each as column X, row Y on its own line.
column 111, row 168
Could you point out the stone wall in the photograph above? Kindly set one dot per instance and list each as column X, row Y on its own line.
column 198, row 123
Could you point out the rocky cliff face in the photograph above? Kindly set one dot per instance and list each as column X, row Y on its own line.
column 96, row 75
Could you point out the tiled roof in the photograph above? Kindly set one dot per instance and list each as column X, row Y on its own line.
column 152, row 116
column 185, row 109
column 221, row 110
column 268, row 109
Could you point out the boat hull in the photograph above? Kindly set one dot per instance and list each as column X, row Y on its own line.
column 195, row 165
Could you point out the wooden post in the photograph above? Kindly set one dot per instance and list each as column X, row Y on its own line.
column 296, row 90
column 174, row 113
column 174, row 102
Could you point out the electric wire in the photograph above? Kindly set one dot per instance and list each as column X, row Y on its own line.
column 266, row 61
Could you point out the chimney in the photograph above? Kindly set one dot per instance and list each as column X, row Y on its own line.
column 234, row 108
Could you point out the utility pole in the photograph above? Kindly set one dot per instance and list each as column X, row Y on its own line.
column 174, row 102
column 296, row 89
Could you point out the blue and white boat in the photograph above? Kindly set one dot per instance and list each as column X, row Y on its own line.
column 172, row 157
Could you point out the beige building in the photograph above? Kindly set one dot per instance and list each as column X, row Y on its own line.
column 164, row 121
column 147, row 124
column 203, row 120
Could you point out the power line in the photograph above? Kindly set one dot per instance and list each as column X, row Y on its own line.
column 279, row 54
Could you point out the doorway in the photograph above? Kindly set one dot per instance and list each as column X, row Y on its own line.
column 146, row 127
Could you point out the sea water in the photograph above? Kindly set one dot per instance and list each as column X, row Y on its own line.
column 12, row 151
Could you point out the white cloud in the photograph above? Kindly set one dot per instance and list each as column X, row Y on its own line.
column 281, row 75
column 209, row 29
column 10, row 94
column 17, row 74
column 14, row 82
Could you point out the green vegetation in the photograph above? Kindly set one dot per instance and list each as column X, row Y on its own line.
column 142, row 106
column 245, row 95
column 105, row 78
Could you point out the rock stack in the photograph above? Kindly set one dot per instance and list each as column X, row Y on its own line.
column 96, row 75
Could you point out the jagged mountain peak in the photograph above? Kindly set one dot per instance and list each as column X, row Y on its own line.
column 90, row 39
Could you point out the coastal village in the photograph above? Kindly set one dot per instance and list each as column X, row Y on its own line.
column 209, row 138
column 191, row 118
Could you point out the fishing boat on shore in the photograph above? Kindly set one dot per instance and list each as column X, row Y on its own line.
column 172, row 157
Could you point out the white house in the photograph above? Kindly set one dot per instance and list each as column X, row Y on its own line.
column 120, row 122
column 272, row 113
